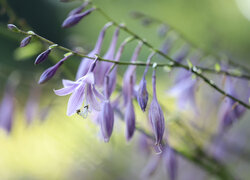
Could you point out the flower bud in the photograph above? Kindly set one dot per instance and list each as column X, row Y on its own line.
column 75, row 19
column 25, row 41
column 106, row 120
column 142, row 95
column 50, row 72
column 130, row 120
column 43, row 56
column 156, row 116
column 12, row 27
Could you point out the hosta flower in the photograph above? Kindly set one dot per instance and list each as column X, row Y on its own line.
column 80, row 90
column 85, row 63
column 184, row 91
column 142, row 93
column 103, row 67
column 171, row 163
column 113, row 73
column 155, row 115
column 50, row 72
column 106, row 116
column 7, row 106
column 25, row 41
column 129, row 119
column 229, row 111
column 129, row 82
column 76, row 18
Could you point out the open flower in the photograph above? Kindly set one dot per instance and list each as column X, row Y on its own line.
column 80, row 90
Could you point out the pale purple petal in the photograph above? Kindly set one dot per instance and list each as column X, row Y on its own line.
column 66, row 90
column 91, row 99
column 76, row 100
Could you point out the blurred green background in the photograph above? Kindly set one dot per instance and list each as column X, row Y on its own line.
column 64, row 147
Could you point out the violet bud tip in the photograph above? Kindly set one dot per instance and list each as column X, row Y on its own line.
column 12, row 27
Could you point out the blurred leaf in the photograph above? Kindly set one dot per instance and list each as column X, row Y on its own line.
column 27, row 52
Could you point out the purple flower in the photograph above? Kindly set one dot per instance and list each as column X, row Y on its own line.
column 181, row 54
column 106, row 116
column 25, row 41
column 85, row 63
column 171, row 163
column 42, row 57
column 80, row 90
column 75, row 18
column 229, row 111
column 78, row 9
column 142, row 94
column 130, row 72
column 113, row 73
column 103, row 67
column 184, row 91
column 50, row 72
column 7, row 106
column 32, row 104
column 155, row 115
column 129, row 119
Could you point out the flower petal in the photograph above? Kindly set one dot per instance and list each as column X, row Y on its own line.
column 65, row 91
column 91, row 99
column 76, row 100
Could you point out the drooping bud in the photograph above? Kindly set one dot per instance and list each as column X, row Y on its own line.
column 12, row 27
column 130, row 72
column 42, row 57
column 75, row 18
column 78, row 9
column 142, row 94
column 103, row 67
column 50, row 72
column 130, row 113
column 171, row 163
column 155, row 115
column 113, row 73
column 106, row 115
column 7, row 106
column 130, row 120
column 25, row 41
column 85, row 63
